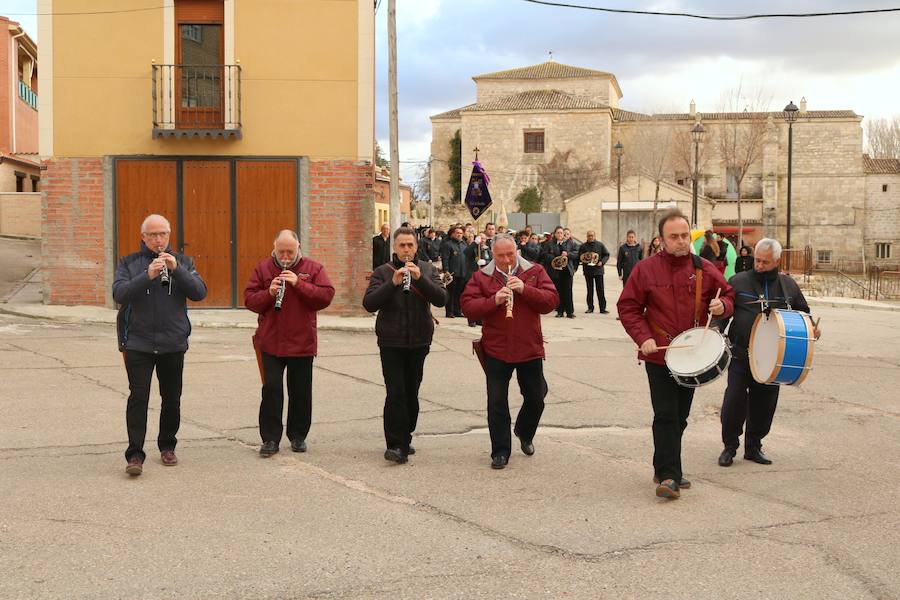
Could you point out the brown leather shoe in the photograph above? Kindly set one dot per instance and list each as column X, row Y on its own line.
column 135, row 466
column 168, row 458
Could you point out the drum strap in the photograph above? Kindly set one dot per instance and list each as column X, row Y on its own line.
column 698, row 299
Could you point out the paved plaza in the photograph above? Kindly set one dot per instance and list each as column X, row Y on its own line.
column 577, row 520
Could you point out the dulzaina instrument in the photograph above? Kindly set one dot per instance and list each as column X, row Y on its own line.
column 781, row 347
column 509, row 301
column 590, row 259
column 279, row 295
column 560, row 262
column 407, row 278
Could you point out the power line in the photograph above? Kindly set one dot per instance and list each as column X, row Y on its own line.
column 625, row 11
column 97, row 12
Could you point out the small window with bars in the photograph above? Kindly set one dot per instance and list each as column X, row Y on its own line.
column 534, row 142
column 823, row 256
column 882, row 250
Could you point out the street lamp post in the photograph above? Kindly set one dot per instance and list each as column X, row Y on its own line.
column 619, row 149
column 790, row 115
column 697, row 135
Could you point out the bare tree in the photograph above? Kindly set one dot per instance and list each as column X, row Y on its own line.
column 568, row 176
column 653, row 157
column 741, row 139
column 421, row 188
column 883, row 137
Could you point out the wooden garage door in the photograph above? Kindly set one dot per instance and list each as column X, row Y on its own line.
column 206, row 230
column 144, row 187
column 266, row 204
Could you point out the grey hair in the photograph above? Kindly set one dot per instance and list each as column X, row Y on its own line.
column 151, row 218
column 769, row 244
column 289, row 232
column 504, row 236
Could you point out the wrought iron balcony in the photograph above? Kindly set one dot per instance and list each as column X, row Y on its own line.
column 197, row 101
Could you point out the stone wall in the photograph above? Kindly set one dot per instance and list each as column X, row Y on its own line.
column 882, row 215
column 500, row 138
column 599, row 90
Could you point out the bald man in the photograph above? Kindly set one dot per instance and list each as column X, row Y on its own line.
column 286, row 290
column 152, row 287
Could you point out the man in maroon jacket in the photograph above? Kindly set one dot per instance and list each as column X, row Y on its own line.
column 511, row 344
column 286, row 290
column 658, row 303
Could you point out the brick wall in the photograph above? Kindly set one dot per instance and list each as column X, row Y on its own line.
column 340, row 219
column 72, row 230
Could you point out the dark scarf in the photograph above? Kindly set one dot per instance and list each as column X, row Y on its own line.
column 766, row 276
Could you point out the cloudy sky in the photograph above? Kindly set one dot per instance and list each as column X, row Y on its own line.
column 661, row 63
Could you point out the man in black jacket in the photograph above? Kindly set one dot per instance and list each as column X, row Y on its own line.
column 745, row 399
column 628, row 256
column 152, row 288
column 453, row 261
column 402, row 292
column 381, row 247
column 558, row 246
column 593, row 273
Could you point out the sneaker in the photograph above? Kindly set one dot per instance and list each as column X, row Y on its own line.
column 135, row 466
column 268, row 449
column 668, row 489
column 396, row 455
column 168, row 458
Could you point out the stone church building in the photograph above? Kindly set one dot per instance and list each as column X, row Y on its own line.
column 555, row 126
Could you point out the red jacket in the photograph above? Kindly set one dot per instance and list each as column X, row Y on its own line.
column 518, row 339
column 292, row 330
column 661, row 289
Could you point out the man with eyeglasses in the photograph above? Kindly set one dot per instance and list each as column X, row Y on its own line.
column 152, row 287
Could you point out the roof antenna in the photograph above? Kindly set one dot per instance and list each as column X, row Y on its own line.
column 551, row 56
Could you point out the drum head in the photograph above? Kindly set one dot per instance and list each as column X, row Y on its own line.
column 704, row 351
column 765, row 347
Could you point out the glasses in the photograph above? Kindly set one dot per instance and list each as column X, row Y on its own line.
column 156, row 234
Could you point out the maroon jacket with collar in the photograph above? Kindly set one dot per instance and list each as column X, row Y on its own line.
column 292, row 330
column 662, row 289
column 518, row 339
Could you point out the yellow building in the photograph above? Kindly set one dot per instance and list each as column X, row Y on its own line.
column 233, row 118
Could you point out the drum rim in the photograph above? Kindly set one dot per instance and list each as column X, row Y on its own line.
column 779, row 358
column 810, row 346
column 701, row 371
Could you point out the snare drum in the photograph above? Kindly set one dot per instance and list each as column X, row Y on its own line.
column 705, row 358
column 781, row 347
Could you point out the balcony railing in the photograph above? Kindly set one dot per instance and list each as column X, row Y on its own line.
column 28, row 95
column 197, row 101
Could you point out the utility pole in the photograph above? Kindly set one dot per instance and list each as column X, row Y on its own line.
column 392, row 108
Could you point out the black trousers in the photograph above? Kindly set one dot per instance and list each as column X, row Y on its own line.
column 402, row 370
column 534, row 389
column 671, row 407
column 595, row 280
column 454, row 291
column 140, row 366
column 563, row 282
column 746, row 401
column 299, row 386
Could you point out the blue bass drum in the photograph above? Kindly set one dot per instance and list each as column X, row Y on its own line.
column 781, row 347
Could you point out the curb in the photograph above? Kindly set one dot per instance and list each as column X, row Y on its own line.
column 852, row 305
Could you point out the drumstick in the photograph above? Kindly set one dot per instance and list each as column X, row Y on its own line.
column 672, row 347
column 709, row 318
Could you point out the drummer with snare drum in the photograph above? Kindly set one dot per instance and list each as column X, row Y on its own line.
column 757, row 292
column 667, row 294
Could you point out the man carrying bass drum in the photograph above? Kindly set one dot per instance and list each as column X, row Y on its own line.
column 747, row 400
column 665, row 295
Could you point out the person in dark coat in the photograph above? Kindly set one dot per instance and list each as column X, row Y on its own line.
column 628, row 256
column 513, row 344
column 747, row 401
column 381, row 247
column 404, row 328
column 152, row 288
column 593, row 275
column 744, row 261
column 453, row 261
column 714, row 250
column 562, row 278
column 286, row 337
column 659, row 302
